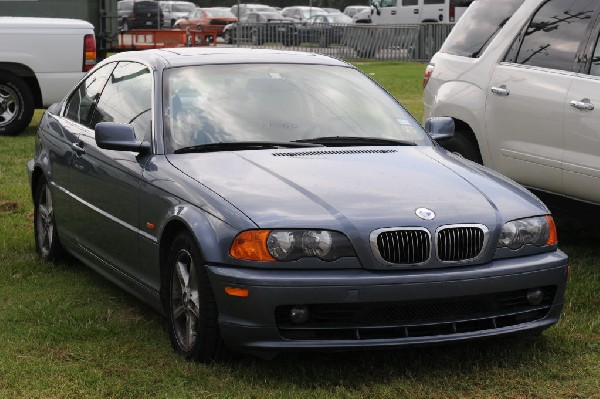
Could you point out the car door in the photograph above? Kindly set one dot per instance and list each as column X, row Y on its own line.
column 526, row 95
column 108, row 182
column 70, row 123
column 581, row 162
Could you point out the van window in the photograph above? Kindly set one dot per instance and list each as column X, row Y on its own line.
column 434, row 2
column 409, row 3
column 478, row 26
column 552, row 38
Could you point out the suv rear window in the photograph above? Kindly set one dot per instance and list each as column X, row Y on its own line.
column 146, row 6
column 478, row 26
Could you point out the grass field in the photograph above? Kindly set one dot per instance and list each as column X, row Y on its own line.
column 67, row 333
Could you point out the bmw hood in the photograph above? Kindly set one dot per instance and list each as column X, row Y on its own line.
column 358, row 187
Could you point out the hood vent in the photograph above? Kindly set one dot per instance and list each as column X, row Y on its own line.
column 330, row 152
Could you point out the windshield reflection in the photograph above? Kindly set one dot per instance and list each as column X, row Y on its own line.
column 273, row 102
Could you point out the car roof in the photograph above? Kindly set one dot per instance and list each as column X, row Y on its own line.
column 183, row 56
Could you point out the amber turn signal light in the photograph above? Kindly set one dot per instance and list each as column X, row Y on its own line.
column 251, row 245
column 552, row 234
column 235, row 291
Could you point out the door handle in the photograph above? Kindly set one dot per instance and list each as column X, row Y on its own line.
column 501, row 91
column 584, row 104
column 393, row 12
column 77, row 148
column 416, row 11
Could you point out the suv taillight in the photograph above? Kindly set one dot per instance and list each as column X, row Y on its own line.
column 452, row 13
column 89, row 52
column 428, row 73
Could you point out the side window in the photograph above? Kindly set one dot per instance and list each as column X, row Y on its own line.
column 405, row 3
column 595, row 67
column 478, row 26
column 82, row 100
column 127, row 98
column 553, row 36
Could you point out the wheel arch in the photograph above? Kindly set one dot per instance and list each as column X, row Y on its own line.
column 28, row 76
column 37, row 177
column 206, row 230
column 465, row 104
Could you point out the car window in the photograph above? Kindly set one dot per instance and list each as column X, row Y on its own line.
column 478, row 26
column 553, row 35
column 595, row 66
column 127, row 98
column 434, row 1
column 82, row 100
column 271, row 102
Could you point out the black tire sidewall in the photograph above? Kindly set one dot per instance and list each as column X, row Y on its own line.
column 26, row 104
column 55, row 250
column 209, row 344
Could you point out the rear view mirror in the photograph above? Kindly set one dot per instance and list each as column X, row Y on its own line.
column 440, row 128
column 119, row 137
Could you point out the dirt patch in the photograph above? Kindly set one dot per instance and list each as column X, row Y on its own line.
column 8, row 206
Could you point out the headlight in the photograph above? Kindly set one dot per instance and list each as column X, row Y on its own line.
column 286, row 245
column 537, row 231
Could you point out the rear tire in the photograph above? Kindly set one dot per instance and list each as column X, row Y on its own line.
column 465, row 144
column 47, row 243
column 16, row 104
column 191, row 308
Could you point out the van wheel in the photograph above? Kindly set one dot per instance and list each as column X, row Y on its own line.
column 16, row 104
column 465, row 144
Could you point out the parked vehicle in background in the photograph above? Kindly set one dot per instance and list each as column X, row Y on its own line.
column 351, row 10
column 139, row 14
column 302, row 13
column 262, row 27
column 332, row 10
column 40, row 58
column 208, row 20
column 522, row 84
column 324, row 29
column 362, row 17
column 246, row 8
column 268, row 201
column 174, row 10
column 414, row 11
column 458, row 7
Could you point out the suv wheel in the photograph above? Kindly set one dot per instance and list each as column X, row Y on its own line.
column 465, row 144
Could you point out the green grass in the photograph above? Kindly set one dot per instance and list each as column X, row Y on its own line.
column 67, row 333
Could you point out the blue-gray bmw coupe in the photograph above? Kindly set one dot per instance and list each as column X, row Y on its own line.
column 268, row 201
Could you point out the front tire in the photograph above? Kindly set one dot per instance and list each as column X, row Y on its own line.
column 47, row 243
column 191, row 308
column 16, row 104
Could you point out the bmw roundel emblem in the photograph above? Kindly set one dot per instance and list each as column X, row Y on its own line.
column 425, row 214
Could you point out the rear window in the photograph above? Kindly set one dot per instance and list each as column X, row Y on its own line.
column 478, row 26
column 145, row 6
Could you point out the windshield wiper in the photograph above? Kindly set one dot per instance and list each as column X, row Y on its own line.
column 349, row 141
column 244, row 145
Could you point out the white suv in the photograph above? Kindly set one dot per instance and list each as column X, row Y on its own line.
column 521, row 79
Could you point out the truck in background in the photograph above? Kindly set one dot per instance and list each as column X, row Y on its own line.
column 40, row 60
column 396, row 12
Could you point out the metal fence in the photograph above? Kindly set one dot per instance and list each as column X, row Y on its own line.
column 385, row 42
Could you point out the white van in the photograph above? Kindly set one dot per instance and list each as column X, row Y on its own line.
column 416, row 11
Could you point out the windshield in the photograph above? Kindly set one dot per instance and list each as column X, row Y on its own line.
column 219, row 13
column 183, row 7
column 278, row 103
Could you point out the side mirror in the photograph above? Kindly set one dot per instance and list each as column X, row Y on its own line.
column 119, row 137
column 440, row 128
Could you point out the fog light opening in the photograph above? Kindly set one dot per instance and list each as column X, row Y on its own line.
column 299, row 314
column 535, row 296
